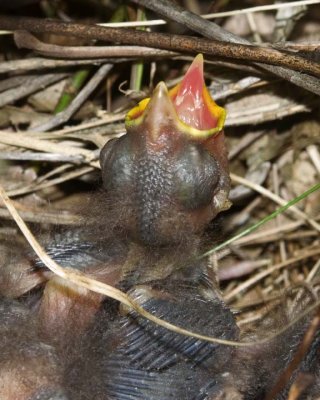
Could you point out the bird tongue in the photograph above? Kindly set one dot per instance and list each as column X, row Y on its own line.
column 189, row 101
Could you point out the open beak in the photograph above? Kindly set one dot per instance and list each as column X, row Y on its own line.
column 188, row 107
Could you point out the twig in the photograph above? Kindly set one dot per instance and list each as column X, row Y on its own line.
column 270, row 235
column 279, row 218
column 301, row 235
column 267, row 7
column 170, row 42
column 24, row 39
column 313, row 272
column 63, row 178
column 256, row 176
column 239, row 66
column 279, row 230
column 37, row 63
column 223, row 14
column 30, row 85
column 54, row 171
column 233, row 87
column 307, row 281
column 71, row 88
column 263, row 274
column 267, row 112
column 286, row 20
column 84, row 127
column 313, row 153
column 28, row 142
column 39, row 216
column 14, row 81
column 65, row 115
column 239, row 269
column 210, row 30
column 253, row 27
column 250, row 319
column 262, row 221
column 245, row 142
column 305, row 47
column 137, row 68
column 277, row 199
column 32, row 156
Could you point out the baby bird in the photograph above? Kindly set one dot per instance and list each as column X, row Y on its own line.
column 164, row 181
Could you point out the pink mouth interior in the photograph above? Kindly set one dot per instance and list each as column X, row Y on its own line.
column 189, row 102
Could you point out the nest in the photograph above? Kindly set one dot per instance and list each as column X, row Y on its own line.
column 61, row 102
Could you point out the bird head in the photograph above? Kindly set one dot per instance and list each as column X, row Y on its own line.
column 171, row 167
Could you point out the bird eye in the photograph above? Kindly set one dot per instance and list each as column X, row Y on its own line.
column 197, row 176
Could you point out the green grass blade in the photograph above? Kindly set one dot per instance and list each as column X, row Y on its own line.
column 263, row 221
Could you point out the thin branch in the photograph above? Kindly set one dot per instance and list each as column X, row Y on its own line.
column 263, row 274
column 49, row 183
column 292, row 46
column 263, row 235
column 262, row 221
column 37, row 63
column 14, row 82
column 224, row 14
column 277, row 199
column 240, row 269
column 267, row 7
column 84, row 127
column 33, row 156
column 28, row 142
column 171, row 10
column 233, row 87
column 82, row 96
column 24, row 39
column 314, row 154
column 166, row 42
column 39, row 216
column 30, row 85
column 245, row 142
column 261, row 113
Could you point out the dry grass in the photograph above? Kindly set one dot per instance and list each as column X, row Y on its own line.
column 272, row 130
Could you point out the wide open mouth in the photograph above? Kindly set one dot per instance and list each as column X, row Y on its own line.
column 197, row 114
